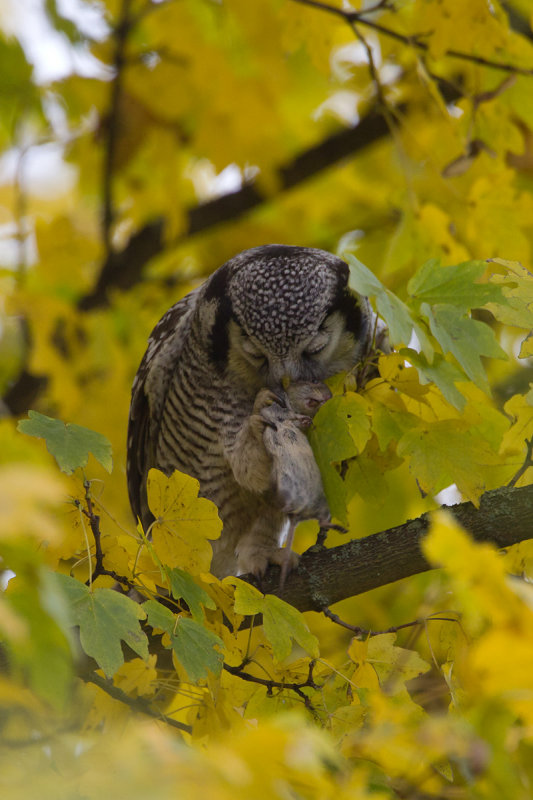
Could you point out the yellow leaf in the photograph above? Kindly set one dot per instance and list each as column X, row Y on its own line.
column 393, row 369
column 28, row 497
column 13, row 625
column 447, row 452
column 184, row 523
column 477, row 572
column 137, row 677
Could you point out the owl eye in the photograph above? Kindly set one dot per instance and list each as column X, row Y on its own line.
column 253, row 353
column 317, row 344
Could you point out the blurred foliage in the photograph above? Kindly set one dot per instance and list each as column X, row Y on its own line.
column 120, row 185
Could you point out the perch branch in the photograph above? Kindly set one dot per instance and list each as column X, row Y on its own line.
column 326, row 576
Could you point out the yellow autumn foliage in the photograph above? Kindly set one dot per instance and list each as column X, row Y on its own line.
column 161, row 139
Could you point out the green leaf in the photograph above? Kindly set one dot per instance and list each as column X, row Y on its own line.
column 457, row 285
column 282, row 623
column 193, row 644
column 389, row 425
column 248, row 599
column 396, row 314
column 341, row 430
column 365, row 478
column 343, row 427
column 159, row 616
column 183, row 585
column 446, row 452
column 105, row 618
column 69, row 444
column 467, row 339
column 517, row 288
column 331, row 436
column 441, row 372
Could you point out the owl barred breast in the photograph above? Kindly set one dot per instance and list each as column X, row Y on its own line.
column 269, row 314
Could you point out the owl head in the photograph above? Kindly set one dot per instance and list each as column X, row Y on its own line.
column 278, row 312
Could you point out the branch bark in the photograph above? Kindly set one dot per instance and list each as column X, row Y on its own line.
column 328, row 575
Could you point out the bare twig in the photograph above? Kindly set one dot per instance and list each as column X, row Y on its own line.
column 364, row 632
column 135, row 703
column 413, row 41
column 297, row 688
column 528, row 462
column 94, row 522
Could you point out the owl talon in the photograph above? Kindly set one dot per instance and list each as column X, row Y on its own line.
column 264, row 399
column 255, row 559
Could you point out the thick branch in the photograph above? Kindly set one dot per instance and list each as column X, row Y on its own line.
column 124, row 269
column 326, row 576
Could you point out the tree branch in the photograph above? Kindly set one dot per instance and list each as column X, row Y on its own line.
column 327, row 575
column 121, row 33
column 136, row 703
column 414, row 41
column 123, row 269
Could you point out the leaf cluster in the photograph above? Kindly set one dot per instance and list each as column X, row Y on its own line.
column 399, row 132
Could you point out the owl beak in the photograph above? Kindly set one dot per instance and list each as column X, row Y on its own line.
column 281, row 373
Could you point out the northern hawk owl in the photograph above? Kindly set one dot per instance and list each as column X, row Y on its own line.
column 270, row 314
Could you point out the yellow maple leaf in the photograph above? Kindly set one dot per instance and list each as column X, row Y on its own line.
column 137, row 677
column 184, row 523
column 478, row 575
column 446, row 452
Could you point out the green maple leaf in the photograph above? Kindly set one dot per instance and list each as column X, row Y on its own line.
column 69, row 444
column 457, row 285
column 183, row 585
column 467, row 339
column 341, row 430
column 441, row 372
column 193, row 644
column 282, row 623
column 396, row 314
column 105, row 618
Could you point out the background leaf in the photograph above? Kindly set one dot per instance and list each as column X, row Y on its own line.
column 105, row 618
column 69, row 444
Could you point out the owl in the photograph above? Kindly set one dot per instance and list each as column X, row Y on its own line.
column 269, row 315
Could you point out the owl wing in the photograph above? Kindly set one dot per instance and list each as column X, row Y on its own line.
column 148, row 396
